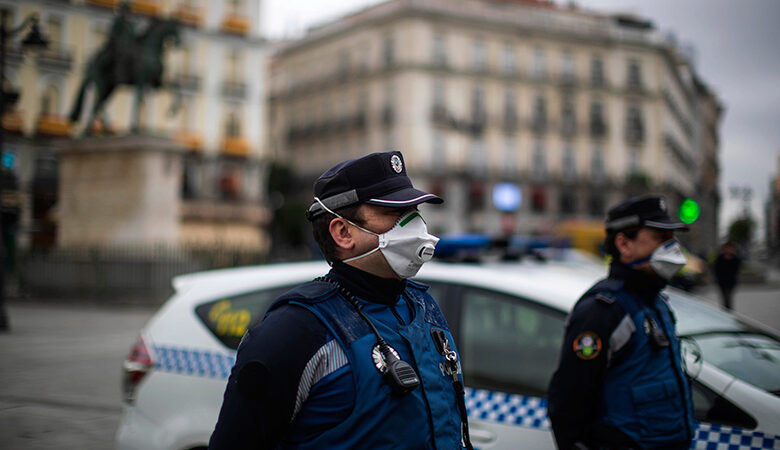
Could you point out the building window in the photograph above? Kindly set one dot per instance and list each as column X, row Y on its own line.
column 478, row 56
column 538, row 199
column 634, row 74
column 478, row 106
column 596, row 204
column 233, row 67
column 597, row 172
column 598, row 127
column 539, row 163
column 568, row 116
column 509, row 154
column 439, row 104
column 343, row 63
column 597, row 71
column 439, row 51
column 50, row 101
column 510, row 63
column 539, row 65
column 438, row 94
column 567, row 202
column 510, row 111
column 54, row 31
column 439, row 155
column 567, row 67
column 232, row 125
column 479, row 156
column 388, row 51
column 568, row 165
column 539, row 117
column 633, row 160
column 635, row 130
column 476, row 197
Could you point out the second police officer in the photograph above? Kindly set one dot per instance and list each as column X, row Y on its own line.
column 620, row 382
column 362, row 357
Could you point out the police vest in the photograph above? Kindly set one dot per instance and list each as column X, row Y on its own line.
column 424, row 418
column 646, row 393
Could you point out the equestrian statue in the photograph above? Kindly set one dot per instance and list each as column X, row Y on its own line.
column 127, row 58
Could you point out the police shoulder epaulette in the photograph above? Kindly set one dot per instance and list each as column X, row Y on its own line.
column 605, row 298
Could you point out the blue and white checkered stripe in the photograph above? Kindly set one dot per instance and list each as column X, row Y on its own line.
column 491, row 406
column 193, row 362
column 531, row 412
column 718, row 437
column 510, row 409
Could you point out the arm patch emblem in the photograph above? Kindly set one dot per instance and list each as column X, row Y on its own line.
column 587, row 345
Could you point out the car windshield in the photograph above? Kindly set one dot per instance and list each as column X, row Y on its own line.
column 735, row 347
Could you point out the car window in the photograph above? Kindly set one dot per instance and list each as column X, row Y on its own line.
column 228, row 318
column 507, row 343
column 727, row 343
column 694, row 316
column 751, row 357
column 712, row 408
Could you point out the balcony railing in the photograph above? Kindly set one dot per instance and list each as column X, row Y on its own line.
column 148, row 8
column 235, row 146
column 234, row 89
column 58, row 59
column 52, row 125
column 104, row 3
column 187, row 81
column 235, row 24
column 189, row 16
column 13, row 122
column 191, row 140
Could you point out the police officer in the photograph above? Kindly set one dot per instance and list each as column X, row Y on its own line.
column 362, row 357
column 620, row 382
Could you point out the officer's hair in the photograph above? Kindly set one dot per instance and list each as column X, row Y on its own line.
column 320, row 228
column 609, row 242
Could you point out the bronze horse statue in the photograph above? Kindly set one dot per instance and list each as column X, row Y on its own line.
column 127, row 59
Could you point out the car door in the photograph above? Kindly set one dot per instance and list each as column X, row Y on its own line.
column 509, row 348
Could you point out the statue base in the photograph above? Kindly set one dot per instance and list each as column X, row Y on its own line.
column 119, row 191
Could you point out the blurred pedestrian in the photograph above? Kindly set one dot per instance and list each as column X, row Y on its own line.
column 620, row 383
column 362, row 357
column 727, row 265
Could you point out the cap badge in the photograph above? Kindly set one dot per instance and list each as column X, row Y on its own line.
column 396, row 164
column 662, row 204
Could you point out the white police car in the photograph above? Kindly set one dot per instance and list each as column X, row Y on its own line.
column 508, row 319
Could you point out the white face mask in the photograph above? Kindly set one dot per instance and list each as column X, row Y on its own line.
column 666, row 260
column 406, row 246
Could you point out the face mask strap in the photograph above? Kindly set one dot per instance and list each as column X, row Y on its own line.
column 342, row 217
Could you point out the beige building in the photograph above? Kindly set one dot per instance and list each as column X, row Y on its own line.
column 575, row 108
column 220, row 122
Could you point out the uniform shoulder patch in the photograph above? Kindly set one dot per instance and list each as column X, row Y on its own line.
column 587, row 345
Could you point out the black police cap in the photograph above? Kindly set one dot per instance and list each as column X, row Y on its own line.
column 645, row 211
column 376, row 179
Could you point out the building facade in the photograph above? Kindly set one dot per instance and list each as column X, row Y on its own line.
column 215, row 76
column 576, row 109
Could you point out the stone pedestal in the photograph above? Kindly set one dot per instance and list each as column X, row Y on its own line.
column 119, row 191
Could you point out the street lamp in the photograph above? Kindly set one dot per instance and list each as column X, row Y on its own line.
column 34, row 40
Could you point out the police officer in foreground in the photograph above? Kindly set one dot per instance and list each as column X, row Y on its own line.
column 362, row 357
column 620, row 383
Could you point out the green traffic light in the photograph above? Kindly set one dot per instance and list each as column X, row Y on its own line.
column 689, row 211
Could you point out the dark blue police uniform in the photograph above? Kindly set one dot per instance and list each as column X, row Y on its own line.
column 620, row 382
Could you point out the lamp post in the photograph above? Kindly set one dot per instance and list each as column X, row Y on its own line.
column 33, row 41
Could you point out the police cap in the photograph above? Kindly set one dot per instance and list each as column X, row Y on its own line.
column 645, row 211
column 376, row 179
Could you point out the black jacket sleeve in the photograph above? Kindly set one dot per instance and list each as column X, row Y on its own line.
column 576, row 386
column 261, row 391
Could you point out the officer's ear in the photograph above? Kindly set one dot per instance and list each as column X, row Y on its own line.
column 340, row 232
column 624, row 245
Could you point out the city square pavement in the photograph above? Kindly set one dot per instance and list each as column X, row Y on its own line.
column 61, row 367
